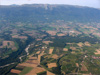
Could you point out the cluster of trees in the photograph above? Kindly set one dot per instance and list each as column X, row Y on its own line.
column 61, row 41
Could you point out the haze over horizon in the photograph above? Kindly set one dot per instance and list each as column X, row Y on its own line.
column 89, row 3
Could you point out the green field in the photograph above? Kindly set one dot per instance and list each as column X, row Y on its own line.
column 26, row 70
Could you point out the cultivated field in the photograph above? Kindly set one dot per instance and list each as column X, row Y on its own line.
column 61, row 34
column 80, row 44
column 51, row 50
column 31, row 62
column 15, row 71
column 26, row 70
column 65, row 49
column 98, row 51
column 73, row 48
column 52, row 65
column 9, row 44
column 37, row 52
column 87, row 44
column 36, row 70
column 52, row 32
column 49, row 73
column 47, row 42
column 83, row 68
column 77, row 65
column 20, row 37
column 55, row 56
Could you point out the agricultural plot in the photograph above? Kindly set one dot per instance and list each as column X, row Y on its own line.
column 87, row 44
column 47, row 42
column 65, row 49
column 83, row 68
column 9, row 44
column 35, row 71
column 77, row 65
column 20, row 37
column 60, row 55
column 61, row 34
column 55, row 56
column 50, row 65
column 26, row 70
column 52, row 32
column 50, row 73
column 15, row 71
column 31, row 62
column 69, row 63
column 80, row 44
column 51, row 50
column 97, row 51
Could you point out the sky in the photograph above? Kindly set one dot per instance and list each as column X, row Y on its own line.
column 89, row 3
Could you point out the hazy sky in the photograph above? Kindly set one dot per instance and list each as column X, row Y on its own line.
column 90, row 3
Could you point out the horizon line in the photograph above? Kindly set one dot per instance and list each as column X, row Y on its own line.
column 47, row 4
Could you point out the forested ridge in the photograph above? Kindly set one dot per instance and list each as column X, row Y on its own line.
column 49, row 13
